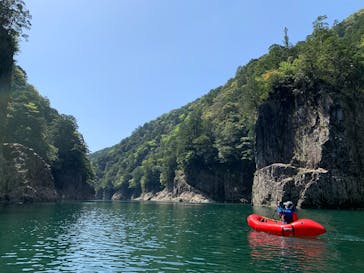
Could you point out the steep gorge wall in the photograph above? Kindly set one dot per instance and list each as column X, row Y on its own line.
column 27, row 177
column 309, row 149
column 224, row 183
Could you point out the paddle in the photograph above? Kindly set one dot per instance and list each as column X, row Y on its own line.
column 273, row 214
column 275, row 211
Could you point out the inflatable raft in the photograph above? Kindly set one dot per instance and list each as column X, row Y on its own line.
column 300, row 227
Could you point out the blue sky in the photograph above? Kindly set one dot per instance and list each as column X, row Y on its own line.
column 117, row 64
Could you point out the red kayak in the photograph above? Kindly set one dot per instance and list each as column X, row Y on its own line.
column 300, row 227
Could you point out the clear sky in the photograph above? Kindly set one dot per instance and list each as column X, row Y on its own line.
column 117, row 64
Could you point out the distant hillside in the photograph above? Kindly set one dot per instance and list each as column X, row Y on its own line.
column 208, row 146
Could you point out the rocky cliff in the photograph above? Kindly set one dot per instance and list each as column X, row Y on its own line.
column 223, row 183
column 309, row 148
column 27, row 177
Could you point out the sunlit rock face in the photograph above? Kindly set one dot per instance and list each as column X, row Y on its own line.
column 27, row 177
column 310, row 149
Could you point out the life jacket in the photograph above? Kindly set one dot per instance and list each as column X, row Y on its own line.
column 289, row 215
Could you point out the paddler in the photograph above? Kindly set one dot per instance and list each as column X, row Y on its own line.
column 287, row 213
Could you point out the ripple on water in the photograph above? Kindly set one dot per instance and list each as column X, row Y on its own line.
column 137, row 237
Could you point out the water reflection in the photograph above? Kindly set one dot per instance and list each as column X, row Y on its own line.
column 139, row 237
column 289, row 254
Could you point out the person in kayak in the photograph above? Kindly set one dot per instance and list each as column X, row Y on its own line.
column 287, row 213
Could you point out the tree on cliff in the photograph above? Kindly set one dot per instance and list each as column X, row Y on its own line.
column 14, row 19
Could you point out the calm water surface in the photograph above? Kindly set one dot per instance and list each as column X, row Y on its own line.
column 167, row 237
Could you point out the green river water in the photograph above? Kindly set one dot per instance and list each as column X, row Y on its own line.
column 170, row 237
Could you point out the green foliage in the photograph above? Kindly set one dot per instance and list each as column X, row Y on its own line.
column 218, row 129
column 128, row 162
column 28, row 114
column 33, row 123
column 14, row 20
column 14, row 17
column 72, row 150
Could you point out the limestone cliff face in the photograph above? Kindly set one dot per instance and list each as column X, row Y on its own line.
column 27, row 177
column 310, row 149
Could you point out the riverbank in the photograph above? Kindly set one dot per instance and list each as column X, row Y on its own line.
column 187, row 197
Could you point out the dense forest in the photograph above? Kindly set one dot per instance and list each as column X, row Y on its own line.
column 28, row 119
column 212, row 140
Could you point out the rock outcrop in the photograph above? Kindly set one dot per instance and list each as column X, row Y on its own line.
column 180, row 192
column 310, row 149
column 27, row 177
